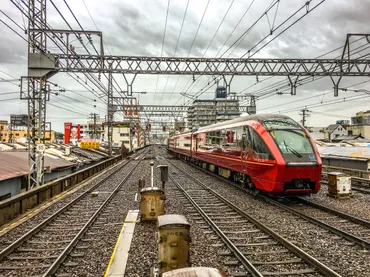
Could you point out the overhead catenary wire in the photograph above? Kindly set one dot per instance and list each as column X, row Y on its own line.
column 177, row 43
column 163, row 40
column 286, row 87
column 308, row 11
column 26, row 14
column 272, row 4
column 12, row 99
column 284, row 81
column 66, row 109
column 195, row 37
column 119, row 90
column 315, row 96
column 212, row 39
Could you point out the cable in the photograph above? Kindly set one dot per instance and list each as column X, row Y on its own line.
column 307, row 11
column 7, row 93
column 8, row 74
column 66, row 109
column 272, row 4
column 13, row 30
column 56, row 36
column 209, row 44
column 287, row 84
column 314, row 96
column 192, row 44
column 11, row 19
column 218, row 28
column 92, row 44
column 9, row 81
column 177, row 42
column 10, row 99
column 164, row 36
column 240, row 20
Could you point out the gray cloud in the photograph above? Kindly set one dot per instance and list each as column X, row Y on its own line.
column 136, row 28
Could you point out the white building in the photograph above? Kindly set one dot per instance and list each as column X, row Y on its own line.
column 206, row 112
column 121, row 134
column 335, row 130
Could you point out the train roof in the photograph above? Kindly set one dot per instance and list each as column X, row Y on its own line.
column 255, row 117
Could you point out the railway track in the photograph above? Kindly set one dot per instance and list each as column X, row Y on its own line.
column 257, row 248
column 349, row 227
column 44, row 248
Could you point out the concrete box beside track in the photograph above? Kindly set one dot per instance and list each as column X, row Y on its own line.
column 194, row 272
column 173, row 242
column 151, row 203
column 339, row 184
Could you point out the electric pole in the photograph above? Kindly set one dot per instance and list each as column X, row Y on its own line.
column 93, row 117
column 304, row 114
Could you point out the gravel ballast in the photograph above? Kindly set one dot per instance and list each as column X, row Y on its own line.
column 348, row 260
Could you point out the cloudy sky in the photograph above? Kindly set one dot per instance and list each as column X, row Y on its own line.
column 194, row 28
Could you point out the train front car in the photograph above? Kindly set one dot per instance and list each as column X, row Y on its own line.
column 298, row 162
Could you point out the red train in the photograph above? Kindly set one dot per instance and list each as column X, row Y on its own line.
column 271, row 153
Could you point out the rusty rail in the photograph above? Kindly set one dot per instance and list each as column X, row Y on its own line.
column 363, row 174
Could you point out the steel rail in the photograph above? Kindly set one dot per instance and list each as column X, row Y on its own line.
column 54, row 267
column 13, row 246
column 296, row 250
column 245, row 262
column 322, row 224
column 348, row 236
column 335, row 212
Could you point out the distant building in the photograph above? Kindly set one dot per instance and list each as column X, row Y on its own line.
column 206, row 112
column 19, row 133
column 14, row 169
column 333, row 131
column 360, row 124
column 122, row 135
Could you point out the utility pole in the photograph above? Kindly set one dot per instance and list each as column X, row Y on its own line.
column 93, row 117
column 11, row 131
column 304, row 114
column 40, row 67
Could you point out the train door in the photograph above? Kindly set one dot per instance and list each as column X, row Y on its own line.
column 247, row 147
column 194, row 144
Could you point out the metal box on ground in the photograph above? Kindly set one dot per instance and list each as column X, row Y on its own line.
column 339, row 184
column 173, row 242
column 194, row 272
column 151, row 203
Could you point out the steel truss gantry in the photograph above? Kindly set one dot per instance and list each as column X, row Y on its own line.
column 43, row 65
column 214, row 66
column 177, row 109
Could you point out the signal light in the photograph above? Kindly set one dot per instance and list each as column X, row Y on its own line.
column 163, row 128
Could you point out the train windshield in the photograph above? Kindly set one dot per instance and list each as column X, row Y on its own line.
column 289, row 136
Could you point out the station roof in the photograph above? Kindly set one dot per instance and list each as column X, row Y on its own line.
column 351, row 152
column 15, row 163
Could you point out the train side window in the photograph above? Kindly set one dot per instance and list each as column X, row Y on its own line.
column 260, row 149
